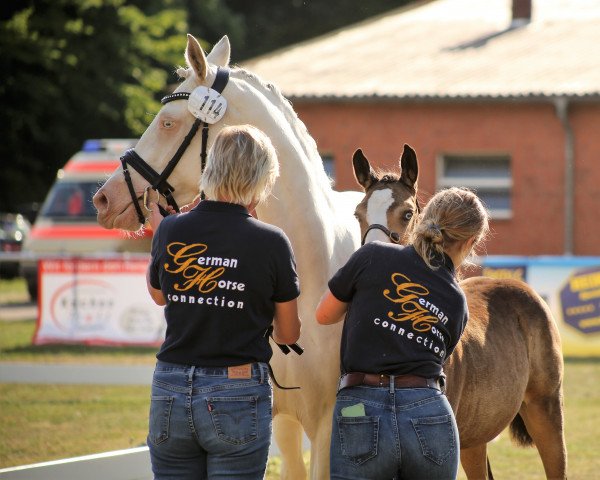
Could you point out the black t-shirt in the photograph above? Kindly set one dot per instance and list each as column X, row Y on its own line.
column 220, row 270
column 403, row 317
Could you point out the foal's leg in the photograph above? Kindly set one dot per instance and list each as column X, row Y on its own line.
column 474, row 462
column 288, row 435
column 543, row 417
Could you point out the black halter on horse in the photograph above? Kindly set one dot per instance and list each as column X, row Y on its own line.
column 393, row 236
column 157, row 181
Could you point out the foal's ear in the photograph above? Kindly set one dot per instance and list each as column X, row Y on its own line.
column 409, row 166
column 195, row 58
column 362, row 170
column 220, row 53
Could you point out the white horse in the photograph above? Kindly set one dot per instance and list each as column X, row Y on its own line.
column 318, row 220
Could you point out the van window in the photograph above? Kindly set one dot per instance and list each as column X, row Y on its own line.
column 71, row 201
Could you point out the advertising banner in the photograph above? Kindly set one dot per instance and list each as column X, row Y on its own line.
column 97, row 302
column 571, row 288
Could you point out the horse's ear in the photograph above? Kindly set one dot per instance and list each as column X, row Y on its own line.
column 195, row 58
column 220, row 53
column 362, row 170
column 409, row 166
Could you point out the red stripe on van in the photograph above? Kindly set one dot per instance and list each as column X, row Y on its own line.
column 77, row 231
column 102, row 167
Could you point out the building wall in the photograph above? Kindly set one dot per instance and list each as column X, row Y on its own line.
column 585, row 121
column 530, row 133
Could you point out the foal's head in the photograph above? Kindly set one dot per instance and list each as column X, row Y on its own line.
column 390, row 207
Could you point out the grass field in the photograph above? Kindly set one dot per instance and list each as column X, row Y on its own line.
column 46, row 422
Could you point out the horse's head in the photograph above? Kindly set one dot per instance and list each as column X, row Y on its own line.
column 166, row 139
column 390, row 207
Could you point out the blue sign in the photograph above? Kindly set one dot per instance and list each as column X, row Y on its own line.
column 580, row 300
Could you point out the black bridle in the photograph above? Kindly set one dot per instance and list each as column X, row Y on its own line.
column 393, row 236
column 158, row 182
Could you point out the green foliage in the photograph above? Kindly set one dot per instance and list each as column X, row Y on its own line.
column 77, row 69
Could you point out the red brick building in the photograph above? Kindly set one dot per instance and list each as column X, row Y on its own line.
column 499, row 96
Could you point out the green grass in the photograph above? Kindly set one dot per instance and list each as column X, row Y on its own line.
column 13, row 291
column 16, row 346
column 48, row 422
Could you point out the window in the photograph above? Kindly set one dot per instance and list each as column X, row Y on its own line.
column 71, row 201
column 487, row 175
column 329, row 166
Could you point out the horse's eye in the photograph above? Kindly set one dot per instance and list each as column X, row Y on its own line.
column 168, row 123
column 407, row 215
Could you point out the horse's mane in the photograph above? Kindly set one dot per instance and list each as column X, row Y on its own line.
column 274, row 95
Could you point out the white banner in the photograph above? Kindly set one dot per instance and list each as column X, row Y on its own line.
column 97, row 302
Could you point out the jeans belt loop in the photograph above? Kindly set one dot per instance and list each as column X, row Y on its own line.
column 392, row 383
column 191, row 375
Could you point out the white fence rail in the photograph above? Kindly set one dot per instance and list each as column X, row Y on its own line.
column 131, row 464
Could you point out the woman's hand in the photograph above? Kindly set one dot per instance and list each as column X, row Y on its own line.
column 156, row 217
column 189, row 206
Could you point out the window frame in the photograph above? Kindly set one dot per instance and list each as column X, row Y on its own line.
column 481, row 184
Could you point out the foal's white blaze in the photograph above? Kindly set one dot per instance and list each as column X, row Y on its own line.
column 377, row 207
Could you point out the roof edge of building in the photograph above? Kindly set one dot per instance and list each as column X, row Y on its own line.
column 541, row 97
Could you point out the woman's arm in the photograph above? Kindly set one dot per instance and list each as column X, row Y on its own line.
column 286, row 324
column 155, row 293
column 330, row 310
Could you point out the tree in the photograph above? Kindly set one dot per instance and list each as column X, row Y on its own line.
column 77, row 69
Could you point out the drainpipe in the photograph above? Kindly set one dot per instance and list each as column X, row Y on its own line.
column 561, row 104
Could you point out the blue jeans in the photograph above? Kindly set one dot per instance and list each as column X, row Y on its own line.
column 206, row 425
column 405, row 433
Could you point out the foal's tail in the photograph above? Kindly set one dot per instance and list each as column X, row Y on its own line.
column 519, row 433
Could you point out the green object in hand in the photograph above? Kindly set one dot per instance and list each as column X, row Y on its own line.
column 357, row 410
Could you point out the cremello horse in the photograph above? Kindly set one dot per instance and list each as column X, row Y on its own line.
column 318, row 221
column 507, row 367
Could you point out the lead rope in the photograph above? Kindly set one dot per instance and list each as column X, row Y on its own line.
column 285, row 349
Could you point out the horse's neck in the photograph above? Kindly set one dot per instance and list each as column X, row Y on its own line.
column 297, row 128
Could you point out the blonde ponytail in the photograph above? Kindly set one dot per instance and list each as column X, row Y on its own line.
column 452, row 216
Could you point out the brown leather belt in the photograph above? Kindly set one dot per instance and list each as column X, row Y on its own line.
column 375, row 380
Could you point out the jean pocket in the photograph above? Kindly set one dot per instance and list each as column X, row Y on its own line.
column 436, row 437
column 160, row 416
column 359, row 437
column 234, row 418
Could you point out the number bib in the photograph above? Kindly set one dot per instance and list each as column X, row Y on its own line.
column 207, row 104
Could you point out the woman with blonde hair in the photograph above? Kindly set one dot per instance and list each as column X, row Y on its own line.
column 404, row 314
column 224, row 278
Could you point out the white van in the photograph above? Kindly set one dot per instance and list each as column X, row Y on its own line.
column 66, row 224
